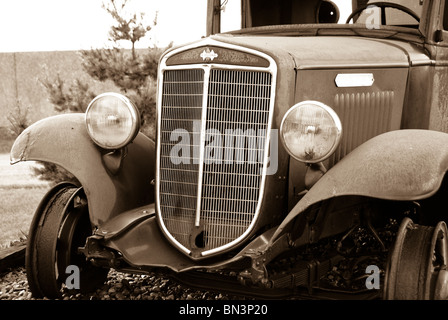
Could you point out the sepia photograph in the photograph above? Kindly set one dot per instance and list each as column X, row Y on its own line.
column 221, row 158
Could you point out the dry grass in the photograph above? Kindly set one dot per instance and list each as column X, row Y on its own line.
column 20, row 194
column 17, row 210
column 5, row 144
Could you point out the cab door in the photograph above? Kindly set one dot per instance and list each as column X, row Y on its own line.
column 437, row 45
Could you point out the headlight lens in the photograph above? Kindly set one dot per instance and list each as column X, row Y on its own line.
column 311, row 131
column 112, row 120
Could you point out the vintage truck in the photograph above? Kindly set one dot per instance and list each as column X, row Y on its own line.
column 298, row 154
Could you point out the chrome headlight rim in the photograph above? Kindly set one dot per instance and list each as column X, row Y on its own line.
column 134, row 115
column 337, row 124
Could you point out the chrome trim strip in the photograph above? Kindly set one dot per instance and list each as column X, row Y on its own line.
column 354, row 66
column 157, row 184
column 202, row 140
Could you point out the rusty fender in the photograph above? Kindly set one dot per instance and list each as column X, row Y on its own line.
column 404, row 165
column 63, row 140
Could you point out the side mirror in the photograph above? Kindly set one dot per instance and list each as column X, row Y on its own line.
column 327, row 12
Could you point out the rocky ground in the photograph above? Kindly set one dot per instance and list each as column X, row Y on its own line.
column 348, row 274
column 119, row 286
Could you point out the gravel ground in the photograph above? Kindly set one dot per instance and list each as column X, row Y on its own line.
column 119, row 286
column 125, row 286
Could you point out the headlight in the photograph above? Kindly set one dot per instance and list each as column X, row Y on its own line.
column 112, row 120
column 311, row 131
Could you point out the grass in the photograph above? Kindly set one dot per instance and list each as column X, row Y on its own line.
column 6, row 144
column 20, row 194
column 17, row 207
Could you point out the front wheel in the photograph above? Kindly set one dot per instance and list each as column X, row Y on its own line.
column 417, row 268
column 60, row 226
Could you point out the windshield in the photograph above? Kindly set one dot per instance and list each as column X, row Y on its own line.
column 239, row 14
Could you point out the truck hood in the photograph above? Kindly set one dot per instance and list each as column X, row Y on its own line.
column 334, row 51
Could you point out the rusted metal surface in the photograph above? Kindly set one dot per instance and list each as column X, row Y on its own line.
column 402, row 165
column 330, row 52
column 63, row 140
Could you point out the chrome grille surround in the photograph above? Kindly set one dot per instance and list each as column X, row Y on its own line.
column 198, row 198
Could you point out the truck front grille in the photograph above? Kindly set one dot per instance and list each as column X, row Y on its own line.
column 213, row 136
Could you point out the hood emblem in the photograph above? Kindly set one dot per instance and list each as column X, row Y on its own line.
column 208, row 55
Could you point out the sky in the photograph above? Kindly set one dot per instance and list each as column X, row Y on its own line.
column 59, row 25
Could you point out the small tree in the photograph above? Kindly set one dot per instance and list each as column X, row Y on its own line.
column 18, row 119
column 74, row 99
column 134, row 72
column 128, row 27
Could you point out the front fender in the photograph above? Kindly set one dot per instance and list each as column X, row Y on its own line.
column 404, row 165
column 63, row 140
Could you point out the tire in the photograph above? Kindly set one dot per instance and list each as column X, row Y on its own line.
column 60, row 226
column 417, row 263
